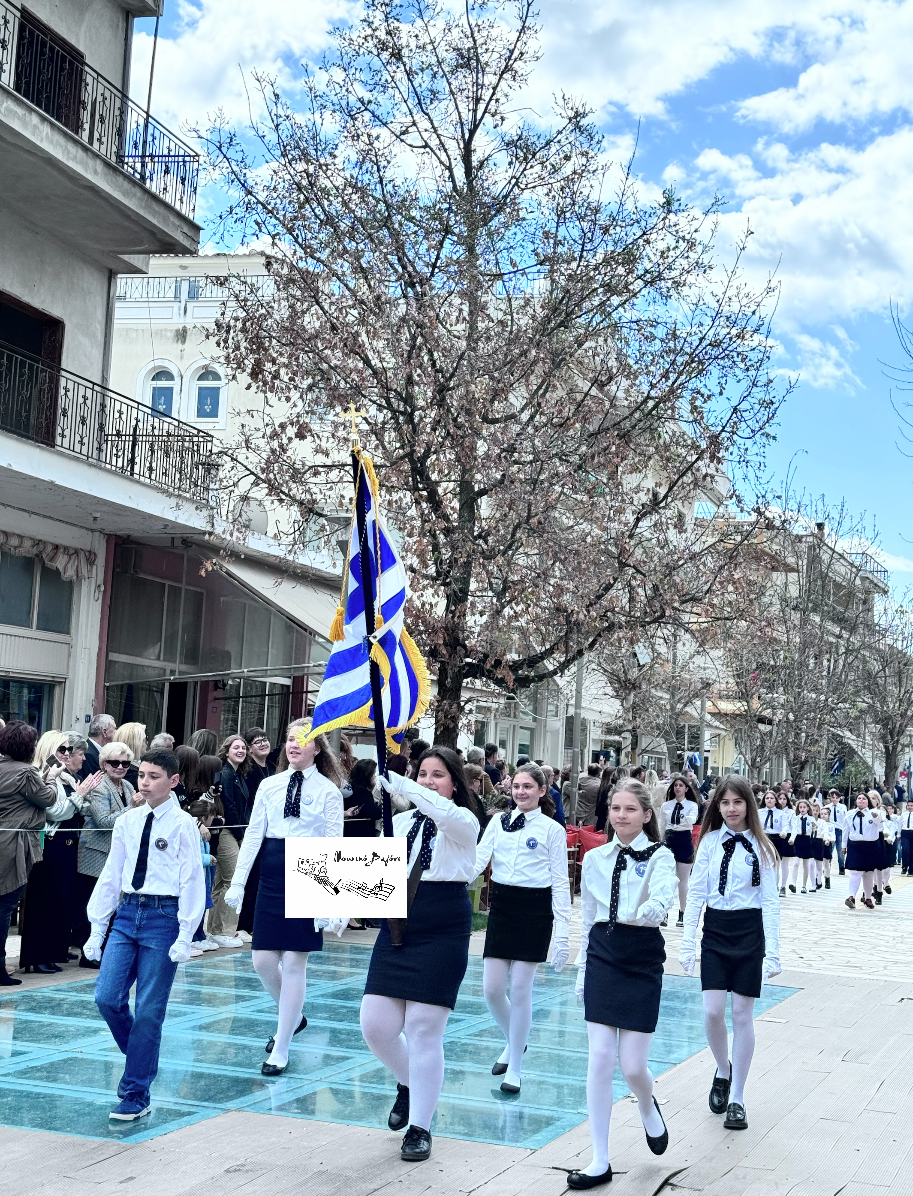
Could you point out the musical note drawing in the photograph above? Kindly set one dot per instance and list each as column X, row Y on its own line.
column 381, row 890
column 316, row 870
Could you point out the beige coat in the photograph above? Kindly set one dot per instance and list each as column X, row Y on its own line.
column 24, row 797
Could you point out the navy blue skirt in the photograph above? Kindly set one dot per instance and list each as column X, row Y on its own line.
column 273, row 931
column 785, row 848
column 429, row 967
column 863, row 855
column 681, row 844
column 623, row 981
column 732, row 951
column 804, row 847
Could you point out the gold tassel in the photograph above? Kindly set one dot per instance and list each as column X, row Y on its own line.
column 338, row 627
column 368, row 466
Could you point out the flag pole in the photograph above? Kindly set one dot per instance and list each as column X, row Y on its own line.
column 364, row 548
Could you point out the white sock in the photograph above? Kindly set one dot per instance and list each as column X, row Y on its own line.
column 504, row 1057
column 715, row 1028
column 742, row 1044
column 855, row 879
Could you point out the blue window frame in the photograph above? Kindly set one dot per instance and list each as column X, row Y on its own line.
column 209, row 390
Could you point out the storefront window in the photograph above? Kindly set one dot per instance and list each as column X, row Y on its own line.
column 30, row 701
column 24, row 577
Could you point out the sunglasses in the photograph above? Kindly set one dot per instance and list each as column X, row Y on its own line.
column 118, row 763
column 62, row 751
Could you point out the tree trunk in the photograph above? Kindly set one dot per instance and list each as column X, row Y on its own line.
column 891, row 765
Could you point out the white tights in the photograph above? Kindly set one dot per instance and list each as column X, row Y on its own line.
column 742, row 1037
column 408, row 1037
column 683, row 871
column 784, row 870
column 284, row 976
column 867, row 879
column 809, row 872
column 882, row 878
column 630, row 1049
column 514, row 1016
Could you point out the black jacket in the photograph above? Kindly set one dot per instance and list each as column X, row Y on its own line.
column 236, row 800
column 90, row 765
column 362, row 823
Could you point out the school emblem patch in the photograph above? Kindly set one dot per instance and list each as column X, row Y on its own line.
column 749, row 860
column 161, row 844
column 532, row 844
column 641, row 868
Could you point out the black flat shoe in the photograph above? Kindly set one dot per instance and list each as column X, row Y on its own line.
column 887, row 889
column 510, row 1089
column 399, row 1114
column 272, row 1040
column 827, row 882
column 580, row 1180
column 661, row 1141
column 44, row 969
column 416, row 1145
column 500, row 1068
column 271, row 1069
column 736, row 1117
column 6, row 980
column 792, row 888
column 719, row 1093
column 89, row 963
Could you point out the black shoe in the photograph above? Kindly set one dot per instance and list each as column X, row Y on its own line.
column 719, row 1093
column 45, row 969
column 500, row 1068
column 271, row 1042
column 887, row 889
column 579, row 1179
column 792, row 888
column 416, row 1145
column 681, row 918
column 399, row 1114
column 736, row 1117
column 827, row 882
column 510, row 1089
column 6, row 980
column 89, row 963
column 272, row 1069
column 877, row 897
column 665, row 922
column 661, row 1141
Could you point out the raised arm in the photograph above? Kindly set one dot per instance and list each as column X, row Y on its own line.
column 453, row 821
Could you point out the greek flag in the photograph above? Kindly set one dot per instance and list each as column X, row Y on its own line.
column 345, row 692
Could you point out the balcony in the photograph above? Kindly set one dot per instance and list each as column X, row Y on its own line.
column 60, row 410
column 69, row 91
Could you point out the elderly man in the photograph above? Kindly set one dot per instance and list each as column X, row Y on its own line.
column 101, row 731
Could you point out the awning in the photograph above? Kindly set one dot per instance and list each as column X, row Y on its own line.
column 307, row 603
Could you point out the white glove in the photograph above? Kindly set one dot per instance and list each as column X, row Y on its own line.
column 395, row 783
column 578, row 987
column 92, row 949
column 234, row 897
column 688, row 959
column 559, row 955
column 651, row 913
column 333, row 925
column 179, row 951
column 771, row 967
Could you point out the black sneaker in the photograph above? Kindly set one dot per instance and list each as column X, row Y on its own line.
column 416, row 1145
column 399, row 1114
column 736, row 1117
column 827, row 882
column 719, row 1093
column 681, row 917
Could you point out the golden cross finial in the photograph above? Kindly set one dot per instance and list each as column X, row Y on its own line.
column 353, row 415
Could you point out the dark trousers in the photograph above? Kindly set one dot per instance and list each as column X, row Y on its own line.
column 841, row 854
column 8, row 902
column 906, row 851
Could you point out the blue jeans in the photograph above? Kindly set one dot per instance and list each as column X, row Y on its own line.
column 841, row 854
column 143, row 930
column 7, row 905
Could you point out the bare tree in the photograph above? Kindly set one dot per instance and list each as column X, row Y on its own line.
column 554, row 371
column 886, row 680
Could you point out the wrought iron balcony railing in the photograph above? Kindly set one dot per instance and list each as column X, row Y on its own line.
column 63, row 411
column 210, row 286
column 868, row 564
column 45, row 71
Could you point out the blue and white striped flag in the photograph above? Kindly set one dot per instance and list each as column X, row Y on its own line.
column 344, row 699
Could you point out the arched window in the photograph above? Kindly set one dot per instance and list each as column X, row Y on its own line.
column 161, row 396
column 209, row 389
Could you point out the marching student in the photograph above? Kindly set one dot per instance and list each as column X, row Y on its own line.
column 826, row 837
column 149, row 900
column 773, row 822
column 906, row 840
column 838, row 821
column 416, row 970
column 626, row 887
column 891, row 834
column 303, row 800
column 530, row 895
column 677, row 815
column 735, row 878
column 802, row 837
column 785, row 848
column 876, row 805
column 863, row 851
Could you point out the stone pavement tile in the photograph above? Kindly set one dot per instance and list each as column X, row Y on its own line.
column 749, row 1181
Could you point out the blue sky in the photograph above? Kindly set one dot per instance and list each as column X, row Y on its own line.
column 800, row 116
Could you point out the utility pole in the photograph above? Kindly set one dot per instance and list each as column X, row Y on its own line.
column 703, row 735
column 575, row 741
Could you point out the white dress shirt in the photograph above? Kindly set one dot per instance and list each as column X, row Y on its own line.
column 906, row 820
column 786, row 822
column 534, row 857
column 838, row 814
column 803, row 824
column 740, row 893
column 864, row 825
column 645, row 893
column 774, row 820
column 174, row 865
column 688, row 816
column 453, row 848
column 826, row 830
column 321, row 815
column 891, row 829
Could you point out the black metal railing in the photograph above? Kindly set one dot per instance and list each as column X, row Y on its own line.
column 48, row 74
column 61, row 410
column 868, row 564
column 210, row 286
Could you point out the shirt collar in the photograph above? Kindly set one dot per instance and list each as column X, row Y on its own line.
column 164, row 807
column 637, row 844
column 309, row 771
column 728, row 834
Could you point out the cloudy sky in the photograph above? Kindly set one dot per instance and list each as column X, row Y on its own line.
column 800, row 116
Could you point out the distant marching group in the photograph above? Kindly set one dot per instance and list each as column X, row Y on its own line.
column 733, row 871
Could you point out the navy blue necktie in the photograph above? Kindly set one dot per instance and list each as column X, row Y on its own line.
column 293, row 795
column 728, row 849
column 142, row 856
column 517, row 825
column 429, row 830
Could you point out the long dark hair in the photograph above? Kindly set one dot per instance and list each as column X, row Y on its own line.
column 462, row 794
column 546, row 801
column 639, row 790
column 244, row 767
column 713, row 817
column 189, row 760
column 692, row 792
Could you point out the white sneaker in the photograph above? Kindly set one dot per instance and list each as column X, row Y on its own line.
column 244, row 936
column 195, row 952
column 228, row 940
column 208, row 945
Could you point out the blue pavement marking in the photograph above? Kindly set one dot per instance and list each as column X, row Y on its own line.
column 59, row 1066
